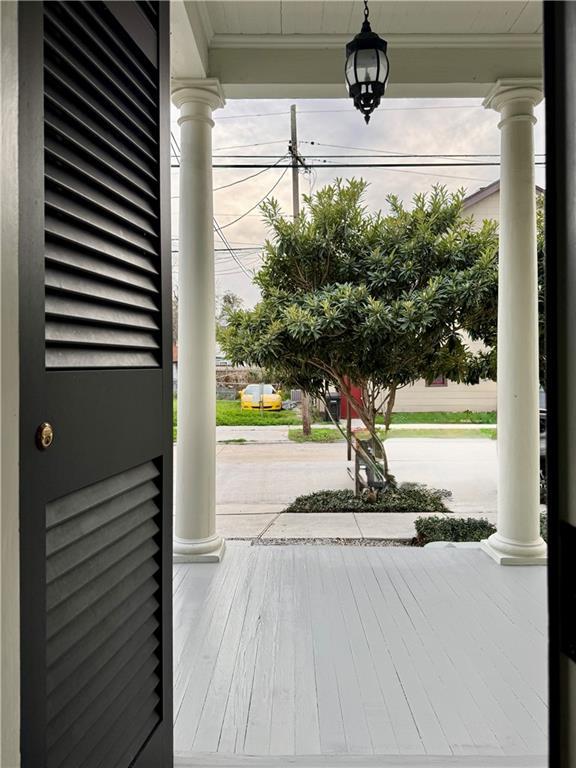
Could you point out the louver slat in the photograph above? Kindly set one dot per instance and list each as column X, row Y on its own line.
column 58, row 253
column 102, row 618
column 92, row 86
column 101, row 172
column 93, row 193
column 105, row 73
column 65, row 89
column 102, row 50
column 94, row 172
column 59, row 307
column 66, row 128
column 101, row 25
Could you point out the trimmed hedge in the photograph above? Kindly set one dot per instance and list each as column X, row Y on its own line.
column 461, row 529
column 452, row 529
column 408, row 497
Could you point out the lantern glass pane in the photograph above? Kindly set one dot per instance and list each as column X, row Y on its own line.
column 383, row 67
column 350, row 76
column 367, row 65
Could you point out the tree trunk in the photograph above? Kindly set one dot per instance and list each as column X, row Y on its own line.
column 306, row 426
column 389, row 407
column 380, row 466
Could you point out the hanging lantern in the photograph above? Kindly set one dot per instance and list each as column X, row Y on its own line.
column 366, row 68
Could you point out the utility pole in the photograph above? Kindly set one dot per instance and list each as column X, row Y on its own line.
column 298, row 160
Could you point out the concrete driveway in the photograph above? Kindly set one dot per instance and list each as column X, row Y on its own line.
column 256, row 481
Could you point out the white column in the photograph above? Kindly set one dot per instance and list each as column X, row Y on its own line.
column 195, row 537
column 517, row 539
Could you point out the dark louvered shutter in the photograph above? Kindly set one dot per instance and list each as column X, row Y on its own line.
column 96, row 517
column 101, row 177
column 102, row 619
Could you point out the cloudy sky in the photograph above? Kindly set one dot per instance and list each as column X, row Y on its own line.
column 399, row 126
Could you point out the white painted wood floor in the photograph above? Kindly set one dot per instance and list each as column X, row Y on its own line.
column 340, row 654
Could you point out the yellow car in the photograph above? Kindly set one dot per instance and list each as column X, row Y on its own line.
column 260, row 397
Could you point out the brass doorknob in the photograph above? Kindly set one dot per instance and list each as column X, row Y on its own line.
column 44, row 436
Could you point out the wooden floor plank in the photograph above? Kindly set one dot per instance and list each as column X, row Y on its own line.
column 463, row 647
column 306, row 725
column 356, row 729
column 484, row 629
column 406, row 732
column 238, row 704
column 397, row 634
column 514, row 650
column 376, row 712
column 426, row 611
column 430, row 660
column 202, row 660
column 257, row 738
column 341, row 655
column 282, row 738
column 210, row 723
column 331, row 722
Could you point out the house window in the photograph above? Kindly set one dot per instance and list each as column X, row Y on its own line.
column 439, row 381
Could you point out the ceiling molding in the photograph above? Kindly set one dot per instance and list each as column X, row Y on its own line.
column 486, row 41
column 205, row 20
column 189, row 47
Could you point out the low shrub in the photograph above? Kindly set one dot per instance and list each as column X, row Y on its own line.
column 544, row 526
column 408, row 497
column 452, row 529
column 461, row 529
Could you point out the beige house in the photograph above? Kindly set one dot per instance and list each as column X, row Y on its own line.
column 442, row 394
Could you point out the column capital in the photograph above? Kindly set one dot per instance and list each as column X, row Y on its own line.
column 205, row 91
column 506, row 91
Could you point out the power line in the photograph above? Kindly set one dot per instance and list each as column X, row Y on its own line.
column 217, row 227
column 255, row 249
column 368, row 165
column 333, row 111
column 222, row 237
column 390, row 156
column 397, row 153
column 257, row 144
column 247, row 178
column 230, row 223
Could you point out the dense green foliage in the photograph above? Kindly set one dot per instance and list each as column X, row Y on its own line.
column 378, row 301
column 452, row 529
column 407, row 497
column 461, row 529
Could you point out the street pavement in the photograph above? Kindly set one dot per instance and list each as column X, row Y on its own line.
column 257, row 480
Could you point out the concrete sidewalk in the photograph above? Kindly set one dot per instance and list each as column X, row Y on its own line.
column 255, row 482
column 279, row 433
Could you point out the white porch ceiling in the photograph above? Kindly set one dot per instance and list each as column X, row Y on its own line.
column 299, row 17
column 295, row 48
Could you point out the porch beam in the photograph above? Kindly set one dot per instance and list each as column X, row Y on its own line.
column 423, row 66
column 195, row 537
column 517, row 539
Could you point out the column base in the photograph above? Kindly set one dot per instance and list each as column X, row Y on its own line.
column 210, row 550
column 507, row 552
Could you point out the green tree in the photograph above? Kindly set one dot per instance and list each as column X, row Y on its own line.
column 226, row 304
column 351, row 297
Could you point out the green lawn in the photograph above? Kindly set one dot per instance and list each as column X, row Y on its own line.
column 229, row 414
column 326, row 435
column 444, row 433
column 319, row 435
column 442, row 417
